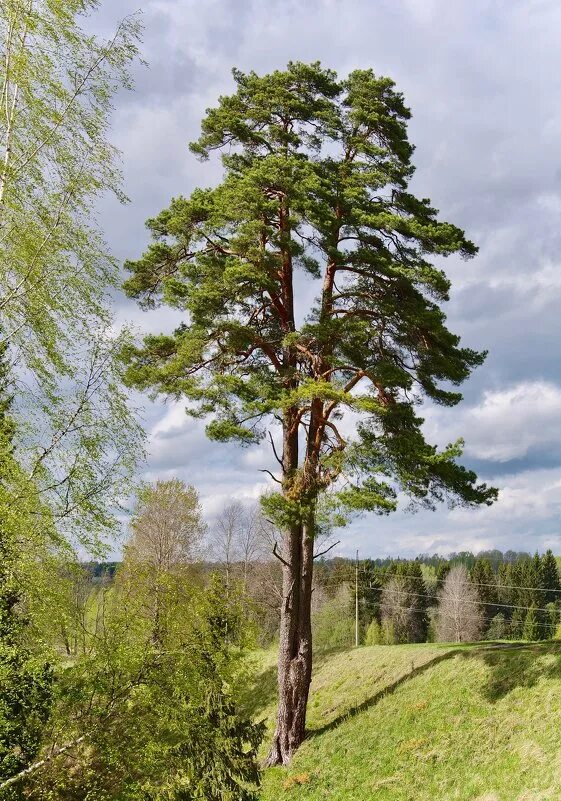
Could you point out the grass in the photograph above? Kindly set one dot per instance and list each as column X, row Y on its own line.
column 413, row 723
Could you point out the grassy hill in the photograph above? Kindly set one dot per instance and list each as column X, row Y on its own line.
column 420, row 722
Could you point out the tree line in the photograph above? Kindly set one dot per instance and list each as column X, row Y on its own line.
column 460, row 598
column 456, row 599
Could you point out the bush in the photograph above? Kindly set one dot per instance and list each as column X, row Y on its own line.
column 333, row 625
column 373, row 634
column 160, row 719
column 498, row 628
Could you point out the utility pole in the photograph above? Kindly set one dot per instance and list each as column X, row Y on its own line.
column 356, row 601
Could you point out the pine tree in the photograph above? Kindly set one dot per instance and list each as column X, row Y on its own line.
column 442, row 571
column 316, row 180
column 550, row 578
column 516, row 624
column 504, row 589
column 484, row 580
column 531, row 629
column 551, row 621
column 535, row 579
column 526, row 582
column 419, row 600
column 370, row 589
column 404, row 602
column 498, row 628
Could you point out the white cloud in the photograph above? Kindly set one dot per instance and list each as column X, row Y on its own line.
column 528, row 496
column 506, row 423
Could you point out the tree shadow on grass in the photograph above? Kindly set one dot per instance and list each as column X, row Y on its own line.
column 516, row 665
column 260, row 692
column 377, row 696
column 512, row 665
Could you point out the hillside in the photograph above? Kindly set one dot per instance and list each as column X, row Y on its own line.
column 420, row 722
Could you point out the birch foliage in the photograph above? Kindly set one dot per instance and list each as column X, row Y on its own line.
column 57, row 84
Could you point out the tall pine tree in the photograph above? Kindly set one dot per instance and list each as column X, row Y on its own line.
column 485, row 582
column 316, row 182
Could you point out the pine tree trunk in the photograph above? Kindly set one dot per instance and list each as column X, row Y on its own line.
column 295, row 646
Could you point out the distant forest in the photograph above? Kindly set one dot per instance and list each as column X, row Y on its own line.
column 462, row 597
column 467, row 558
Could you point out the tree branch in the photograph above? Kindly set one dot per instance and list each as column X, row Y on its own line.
column 322, row 553
column 272, row 476
column 277, row 457
column 279, row 557
column 36, row 765
column 335, row 430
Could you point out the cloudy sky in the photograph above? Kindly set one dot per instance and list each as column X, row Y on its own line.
column 483, row 81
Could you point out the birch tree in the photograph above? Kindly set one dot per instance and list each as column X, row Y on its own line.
column 460, row 616
column 167, row 525
column 166, row 534
column 57, row 85
column 225, row 538
column 77, row 437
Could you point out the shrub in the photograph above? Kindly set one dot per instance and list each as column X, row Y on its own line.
column 498, row 628
column 333, row 625
column 373, row 634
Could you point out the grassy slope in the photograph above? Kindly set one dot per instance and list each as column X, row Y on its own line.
column 413, row 723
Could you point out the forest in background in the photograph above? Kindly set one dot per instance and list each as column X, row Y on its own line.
column 463, row 597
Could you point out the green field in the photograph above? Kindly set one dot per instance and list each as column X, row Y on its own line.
column 419, row 722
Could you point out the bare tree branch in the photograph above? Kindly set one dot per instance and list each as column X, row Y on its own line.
column 322, row 553
column 277, row 457
column 272, row 476
column 279, row 557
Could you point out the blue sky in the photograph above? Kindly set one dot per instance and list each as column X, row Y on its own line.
column 483, row 80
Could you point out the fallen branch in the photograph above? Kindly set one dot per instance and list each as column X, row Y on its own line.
column 36, row 765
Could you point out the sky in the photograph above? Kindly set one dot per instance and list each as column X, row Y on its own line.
column 483, row 81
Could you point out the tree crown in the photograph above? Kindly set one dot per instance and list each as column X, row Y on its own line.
column 314, row 200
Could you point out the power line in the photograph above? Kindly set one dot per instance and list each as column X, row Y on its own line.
column 482, row 618
column 497, row 586
column 477, row 603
